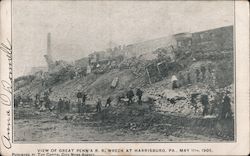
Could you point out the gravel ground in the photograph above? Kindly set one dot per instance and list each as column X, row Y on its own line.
column 33, row 126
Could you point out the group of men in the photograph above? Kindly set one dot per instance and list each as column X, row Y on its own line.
column 221, row 102
column 130, row 95
column 63, row 105
column 81, row 99
column 99, row 103
column 42, row 100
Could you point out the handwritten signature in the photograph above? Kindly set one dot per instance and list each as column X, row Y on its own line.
column 6, row 138
column 7, row 49
column 6, row 94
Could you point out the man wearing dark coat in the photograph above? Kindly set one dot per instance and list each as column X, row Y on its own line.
column 226, row 107
column 130, row 95
column 205, row 104
column 79, row 100
column 139, row 93
column 60, row 106
column 108, row 102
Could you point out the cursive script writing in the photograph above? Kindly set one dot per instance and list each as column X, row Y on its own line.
column 7, row 49
column 6, row 138
column 6, row 86
column 5, row 96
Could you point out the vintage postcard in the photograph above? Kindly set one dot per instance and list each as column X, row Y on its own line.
column 95, row 78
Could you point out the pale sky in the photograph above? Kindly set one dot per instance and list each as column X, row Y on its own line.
column 80, row 27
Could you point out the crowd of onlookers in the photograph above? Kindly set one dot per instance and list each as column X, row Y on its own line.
column 221, row 101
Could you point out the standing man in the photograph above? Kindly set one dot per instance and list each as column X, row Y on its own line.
column 60, row 105
column 84, row 97
column 66, row 105
column 79, row 100
column 197, row 75
column 139, row 93
column 37, row 97
column 205, row 104
column 108, row 102
column 174, row 82
column 99, row 105
column 47, row 100
column 226, row 106
column 203, row 71
column 130, row 95
column 188, row 78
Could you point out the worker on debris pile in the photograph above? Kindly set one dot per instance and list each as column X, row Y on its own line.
column 203, row 71
column 63, row 105
column 60, row 106
column 205, row 104
column 37, row 97
column 46, row 100
column 99, row 105
column 42, row 103
column 130, row 95
column 174, row 82
column 188, row 78
column 66, row 104
column 139, row 93
column 108, row 102
column 79, row 100
column 84, row 97
column 226, row 111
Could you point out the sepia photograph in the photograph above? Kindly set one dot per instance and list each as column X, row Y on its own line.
column 123, row 71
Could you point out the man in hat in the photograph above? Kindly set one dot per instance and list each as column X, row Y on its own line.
column 99, row 105
column 66, row 104
column 226, row 106
column 108, row 102
column 46, row 100
column 79, row 100
column 60, row 105
column 84, row 97
column 139, row 93
column 130, row 95
column 174, row 82
column 205, row 104
column 37, row 97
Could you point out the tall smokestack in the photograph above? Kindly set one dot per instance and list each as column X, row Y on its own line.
column 48, row 56
column 48, row 45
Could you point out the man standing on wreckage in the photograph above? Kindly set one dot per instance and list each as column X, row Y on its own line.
column 226, row 111
column 130, row 95
column 79, row 100
column 139, row 93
